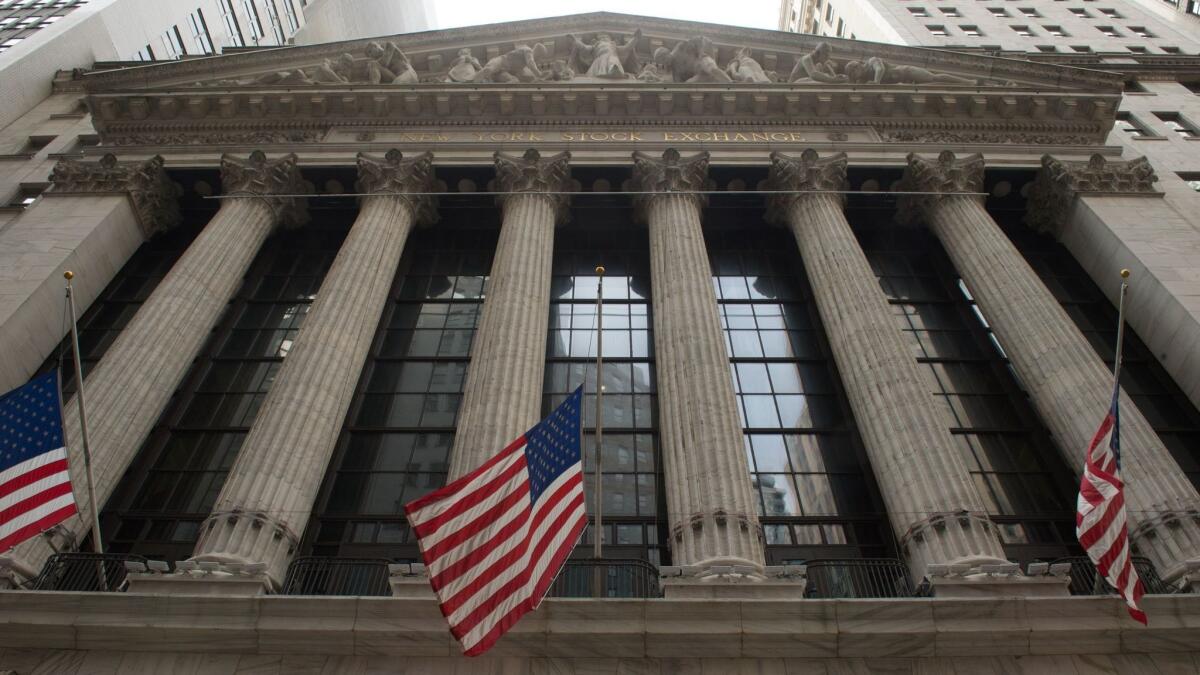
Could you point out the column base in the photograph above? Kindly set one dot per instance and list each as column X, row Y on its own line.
column 732, row 582
column 994, row 580
column 14, row 572
column 214, row 583
column 409, row 583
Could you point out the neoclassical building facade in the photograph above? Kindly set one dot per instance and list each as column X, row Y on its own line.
column 858, row 330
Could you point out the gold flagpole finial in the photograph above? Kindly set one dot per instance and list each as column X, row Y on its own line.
column 600, row 270
column 68, row 275
column 1125, row 273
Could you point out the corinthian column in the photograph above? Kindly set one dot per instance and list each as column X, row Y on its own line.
column 935, row 510
column 265, row 504
column 709, row 495
column 132, row 383
column 1069, row 385
column 503, row 392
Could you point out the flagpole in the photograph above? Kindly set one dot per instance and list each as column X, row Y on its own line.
column 97, row 544
column 598, row 523
column 1120, row 328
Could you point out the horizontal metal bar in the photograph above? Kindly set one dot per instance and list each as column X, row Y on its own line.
column 602, row 194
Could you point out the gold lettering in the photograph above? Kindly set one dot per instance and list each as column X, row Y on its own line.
column 635, row 136
column 534, row 137
column 478, row 135
column 755, row 136
column 567, row 136
column 722, row 136
column 739, row 136
column 669, row 136
column 777, row 136
column 442, row 137
column 797, row 137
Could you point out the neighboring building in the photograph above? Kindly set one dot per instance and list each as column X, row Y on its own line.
column 857, row 336
column 40, row 37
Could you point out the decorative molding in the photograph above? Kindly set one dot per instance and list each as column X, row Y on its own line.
column 182, row 137
column 937, row 178
column 407, row 178
column 155, row 197
column 989, row 137
column 671, row 173
column 533, row 173
column 275, row 181
column 1059, row 181
column 807, row 172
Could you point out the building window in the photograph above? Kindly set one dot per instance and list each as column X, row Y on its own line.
column 971, row 31
column 919, row 12
column 256, row 28
column 1082, row 49
column 951, row 12
column 1055, row 31
column 1029, row 12
column 1022, row 31
column 938, row 30
column 1080, row 12
column 1192, row 180
column 289, row 10
column 1109, row 31
column 229, row 18
column 1111, row 13
column 199, row 30
column 1179, row 124
column 841, row 27
column 172, row 43
column 170, row 489
column 1049, row 49
column 829, row 13
column 816, row 497
column 998, row 11
column 1141, row 31
column 1171, row 50
column 1129, row 124
column 144, row 54
column 10, row 43
column 273, row 20
column 26, row 195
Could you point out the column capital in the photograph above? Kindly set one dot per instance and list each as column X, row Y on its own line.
column 533, row 173
column 407, row 178
column 945, row 175
column 1059, row 181
column 268, row 179
column 155, row 196
column 807, row 172
column 670, row 173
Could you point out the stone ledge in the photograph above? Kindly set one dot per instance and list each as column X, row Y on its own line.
column 699, row 628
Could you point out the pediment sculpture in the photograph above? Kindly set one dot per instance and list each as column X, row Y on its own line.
column 604, row 59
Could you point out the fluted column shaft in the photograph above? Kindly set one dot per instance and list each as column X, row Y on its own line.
column 130, row 387
column 266, row 501
column 934, row 507
column 710, row 498
column 503, row 390
column 1069, row 385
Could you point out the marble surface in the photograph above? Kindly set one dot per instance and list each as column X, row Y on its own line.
column 118, row 633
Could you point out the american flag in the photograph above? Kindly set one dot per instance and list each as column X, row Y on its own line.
column 494, row 540
column 35, row 486
column 1100, row 520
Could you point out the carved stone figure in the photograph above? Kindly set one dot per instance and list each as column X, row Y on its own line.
column 387, row 64
column 877, row 71
column 692, row 61
column 464, row 68
column 743, row 68
column 654, row 71
column 558, row 71
column 330, row 71
column 604, row 57
column 816, row 67
column 518, row 65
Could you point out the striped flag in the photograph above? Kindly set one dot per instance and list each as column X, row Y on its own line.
column 35, row 486
column 494, row 540
column 1100, row 520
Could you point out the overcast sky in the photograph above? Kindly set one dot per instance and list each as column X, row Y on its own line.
column 750, row 13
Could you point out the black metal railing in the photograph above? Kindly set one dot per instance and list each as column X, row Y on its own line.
column 854, row 578
column 618, row 578
column 337, row 576
column 1084, row 580
column 96, row 572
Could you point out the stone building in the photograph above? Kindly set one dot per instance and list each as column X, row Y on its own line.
column 859, row 324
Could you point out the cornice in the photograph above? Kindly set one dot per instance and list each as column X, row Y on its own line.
column 408, row 178
column 153, row 194
column 934, row 179
column 670, row 173
column 275, row 181
column 808, row 172
column 532, row 173
column 1060, row 181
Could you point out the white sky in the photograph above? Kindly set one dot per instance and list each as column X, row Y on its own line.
column 749, row 13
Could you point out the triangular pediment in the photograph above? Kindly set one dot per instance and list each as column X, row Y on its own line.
column 434, row 55
column 603, row 70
